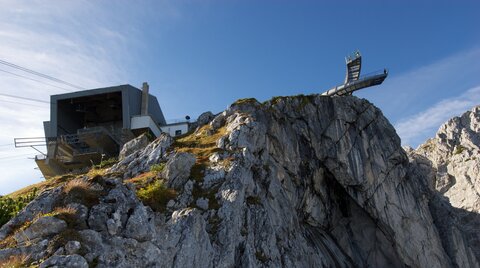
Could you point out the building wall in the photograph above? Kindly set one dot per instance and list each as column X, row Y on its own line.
column 131, row 106
column 172, row 129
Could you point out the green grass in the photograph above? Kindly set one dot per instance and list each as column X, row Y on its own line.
column 459, row 150
column 156, row 195
column 107, row 163
column 246, row 100
column 10, row 207
column 157, row 167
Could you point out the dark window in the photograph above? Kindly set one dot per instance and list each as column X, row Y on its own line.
column 178, row 132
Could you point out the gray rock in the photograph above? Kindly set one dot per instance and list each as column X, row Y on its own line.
column 141, row 160
column 177, row 169
column 74, row 261
column 202, row 203
column 311, row 181
column 29, row 253
column 134, row 145
column 204, row 118
column 451, row 162
column 112, row 227
column 72, row 247
column 41, row 228
column 59, row 251
column 44, row 203
column 140, row 225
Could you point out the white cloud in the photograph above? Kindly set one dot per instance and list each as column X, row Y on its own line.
column 87, row 43
column 426, row 122
column 70, row 40
column 420, row 100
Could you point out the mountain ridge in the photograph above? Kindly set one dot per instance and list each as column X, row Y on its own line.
column 294, row 181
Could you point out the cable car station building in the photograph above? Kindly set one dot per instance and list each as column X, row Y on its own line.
column 86, row 126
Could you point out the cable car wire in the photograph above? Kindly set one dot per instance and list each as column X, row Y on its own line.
column 9, row 64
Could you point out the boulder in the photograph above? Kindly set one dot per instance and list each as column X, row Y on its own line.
column 73, row 261
column 41, row 228
column 205, row 118
column 177, row 169
column 134, row 145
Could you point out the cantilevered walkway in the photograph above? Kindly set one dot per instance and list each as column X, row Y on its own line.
column 353, row 80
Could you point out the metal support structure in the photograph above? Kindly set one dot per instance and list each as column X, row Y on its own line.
column 31, row 142
column 353, row 80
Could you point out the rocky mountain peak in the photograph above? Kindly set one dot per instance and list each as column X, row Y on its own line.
column 302, row 181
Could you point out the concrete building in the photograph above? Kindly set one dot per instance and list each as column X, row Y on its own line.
column 86, row 126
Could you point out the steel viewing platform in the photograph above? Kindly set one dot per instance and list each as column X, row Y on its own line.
column 353, row 80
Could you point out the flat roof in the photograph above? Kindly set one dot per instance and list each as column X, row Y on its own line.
column 95, row 91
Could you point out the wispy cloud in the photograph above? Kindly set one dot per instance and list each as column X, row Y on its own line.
column 72, row 40
column 87, row 43
column 420, row 100
column 425, row 123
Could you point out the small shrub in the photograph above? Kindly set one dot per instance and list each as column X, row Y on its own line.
column 81, row 191
column 107, row 162
column 76, row 184
column 10, row 207
column 62, row 238
column 156, row 195
column 459, row 150
column 68, row 214
column 157, row 167
column 246, row 100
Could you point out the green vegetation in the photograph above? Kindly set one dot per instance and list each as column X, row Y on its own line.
column 104, row 163
column 202, row 144
column 10, row 207
column 246, row 100
column 59, row 240
column 68, row 214
column 156, row 195
column 157, row 167
column 81, row 191
column 459, row 149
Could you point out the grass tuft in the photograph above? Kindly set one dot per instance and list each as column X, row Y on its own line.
column 81, row 191
column 202, row 143
column 14, row 261
column 157, row 167
column 156, row 195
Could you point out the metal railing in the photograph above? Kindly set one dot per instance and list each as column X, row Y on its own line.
column 29, row 142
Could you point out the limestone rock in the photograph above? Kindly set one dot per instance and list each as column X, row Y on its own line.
column 74, row 261
column 140, row 225
column 453, row 157
column 305, row 181
column 205, row 118
column 41, row 228
column 177, row 169
column 132, row 146
column 44, row 203
column 72, row 247
column 141, row 160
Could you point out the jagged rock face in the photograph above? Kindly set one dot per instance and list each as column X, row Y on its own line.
column 132, row 146
column 451, row 162
column 295, row 182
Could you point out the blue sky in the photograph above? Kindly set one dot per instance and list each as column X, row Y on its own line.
column 203, row 55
